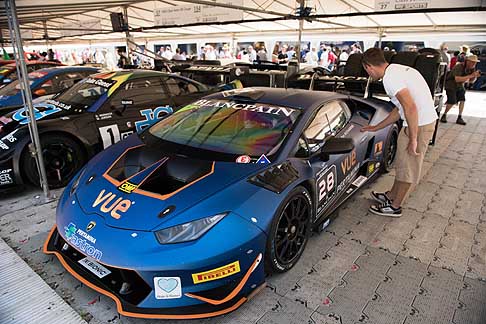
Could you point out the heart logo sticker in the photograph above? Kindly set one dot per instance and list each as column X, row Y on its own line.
column 167, row 285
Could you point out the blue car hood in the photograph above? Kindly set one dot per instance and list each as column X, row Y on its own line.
column 139, row 188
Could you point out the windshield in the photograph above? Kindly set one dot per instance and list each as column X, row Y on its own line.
column 14, row 87
column 230, row 127
column 85, row 93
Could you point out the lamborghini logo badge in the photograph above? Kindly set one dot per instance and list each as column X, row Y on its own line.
column 90, row 226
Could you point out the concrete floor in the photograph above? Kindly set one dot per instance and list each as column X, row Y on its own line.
column 429, row 266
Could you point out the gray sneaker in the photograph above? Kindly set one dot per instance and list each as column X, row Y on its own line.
column 380, row 197
column 386, row 210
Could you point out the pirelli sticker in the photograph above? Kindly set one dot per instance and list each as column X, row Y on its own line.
column 127, row 187
column 221, row 272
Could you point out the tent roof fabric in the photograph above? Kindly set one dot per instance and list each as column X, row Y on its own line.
column 90, row 19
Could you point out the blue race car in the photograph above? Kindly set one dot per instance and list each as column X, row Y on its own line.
column 43, row 83
column 184, row 219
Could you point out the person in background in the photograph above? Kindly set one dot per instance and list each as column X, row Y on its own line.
column 464, row 52
column 311, row 57
column 123, row 60
column 262, row 54
column 110, row 62
column 322, row 48
column 343, row 57
column 332, row 58
column 446, row 57
column 275, row 53
column 455, row 90
column 226, row 52
column 210, row 53
column 291, row 53
column 282, row 55
column 355, row 48
column 202, row 53
column 252, row 54
column 324, row 61
column 177, row 56
column 168, row 53
column 454, row 57
column 305, row 50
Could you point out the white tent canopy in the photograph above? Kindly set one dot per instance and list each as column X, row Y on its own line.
column 82, row 20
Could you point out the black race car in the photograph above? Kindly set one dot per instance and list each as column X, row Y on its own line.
column 87, row 118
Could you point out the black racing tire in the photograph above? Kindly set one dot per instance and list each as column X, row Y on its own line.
column 289, row 232
column 63, row 157
column 390, row 151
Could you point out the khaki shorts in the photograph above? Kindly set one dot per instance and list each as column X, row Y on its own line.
column 408, row 167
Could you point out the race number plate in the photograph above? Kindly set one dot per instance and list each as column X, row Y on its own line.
column 94, row 267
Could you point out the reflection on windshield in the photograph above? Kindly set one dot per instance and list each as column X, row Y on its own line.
column 82, row 95
column 12, row 88
column 228, row 127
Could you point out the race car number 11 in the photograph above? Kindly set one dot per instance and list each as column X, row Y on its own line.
column 326, row 185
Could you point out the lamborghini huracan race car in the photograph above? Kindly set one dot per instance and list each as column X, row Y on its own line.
column 83, row 120
column 184, row 219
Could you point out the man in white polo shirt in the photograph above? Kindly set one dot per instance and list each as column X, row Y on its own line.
column 414, row 104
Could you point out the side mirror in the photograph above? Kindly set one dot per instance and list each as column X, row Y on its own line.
column 40, row 92
column 337, row 145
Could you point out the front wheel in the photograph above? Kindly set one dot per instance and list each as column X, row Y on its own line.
column 290, row 231
column 390, row 151
column 63, row 157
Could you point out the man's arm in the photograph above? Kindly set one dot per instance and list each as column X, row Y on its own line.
column 472, row 76
column 411, row 115
column 392, row 117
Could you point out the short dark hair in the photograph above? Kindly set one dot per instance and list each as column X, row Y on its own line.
column 373, row 56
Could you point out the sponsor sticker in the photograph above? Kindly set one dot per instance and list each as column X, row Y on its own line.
column 94, row 267
column 127, row 102
column 151, row 116
column 127, row 187
column 359, row 181
column 100, row 82
column 79, row 239
column 6, row 177
column 110, row 203
column 218, row 273
column 104, row 116
column 263, row 160
column 243, row 159
column 167, row 287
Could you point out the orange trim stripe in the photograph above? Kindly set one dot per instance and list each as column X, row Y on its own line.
column 235, row 291
column 119, row 305
column 147, row 193
column 107, row 177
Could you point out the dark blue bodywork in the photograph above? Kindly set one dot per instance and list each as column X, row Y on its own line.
column 128, row 242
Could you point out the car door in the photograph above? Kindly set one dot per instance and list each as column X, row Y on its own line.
column 136, row 104
column 334, row 174
column 183, row 91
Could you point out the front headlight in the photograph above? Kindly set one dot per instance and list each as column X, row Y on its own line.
column 188, row 231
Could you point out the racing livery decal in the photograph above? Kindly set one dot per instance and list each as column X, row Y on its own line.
column 119, row 205
column 40, row 111
column 72, row 232
column 218, row 273
column 151, row 116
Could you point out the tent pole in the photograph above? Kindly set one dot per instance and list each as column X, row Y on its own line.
column 127, row 32
column 27, row 95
